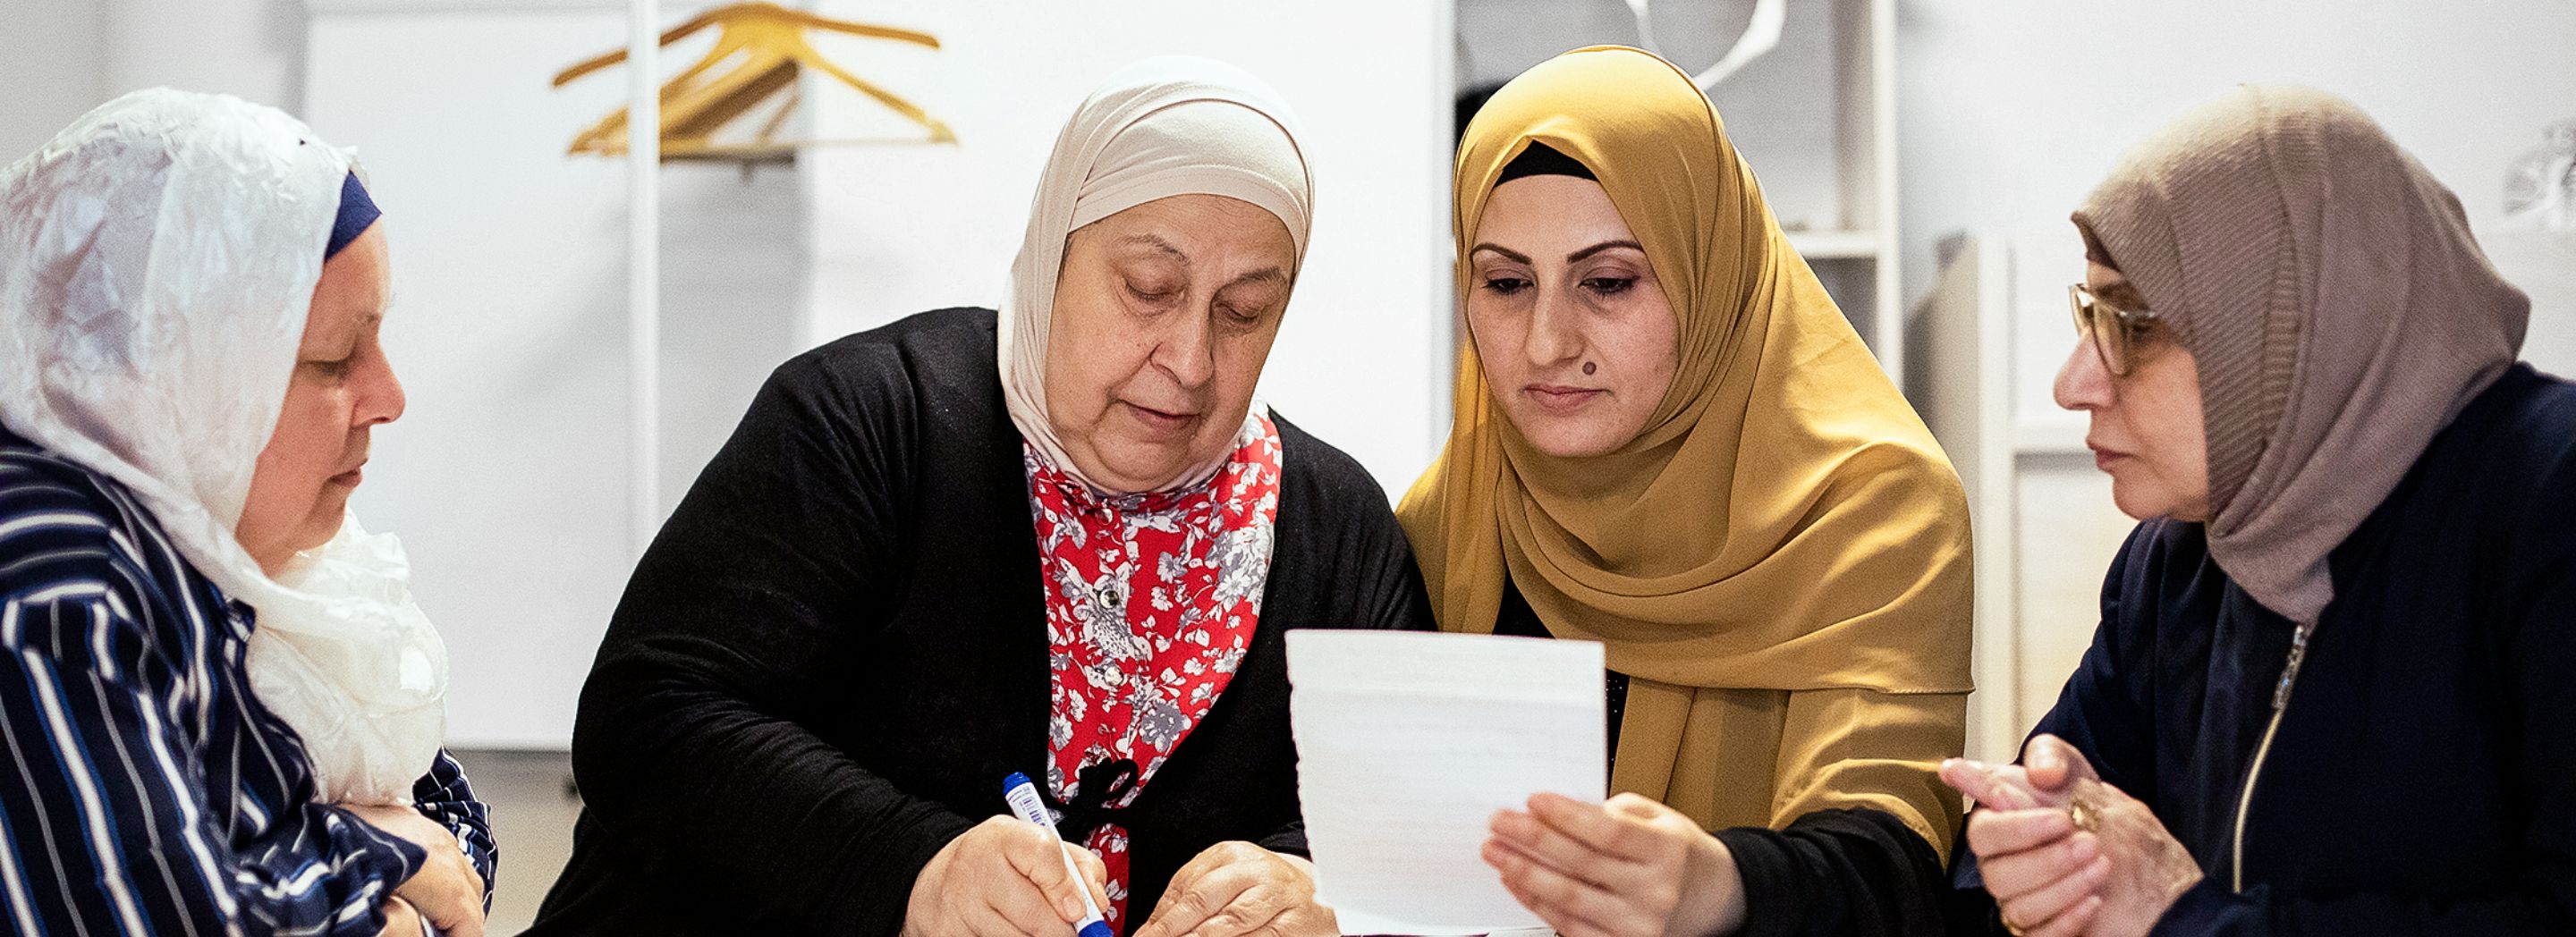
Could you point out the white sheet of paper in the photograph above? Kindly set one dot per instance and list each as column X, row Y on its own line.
column 1408, row 742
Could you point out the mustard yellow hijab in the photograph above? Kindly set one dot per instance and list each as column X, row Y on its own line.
column 1784, row 525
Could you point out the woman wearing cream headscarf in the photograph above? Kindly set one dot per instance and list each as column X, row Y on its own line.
column 1670, row 441
column 2329, row 690
column 1062, row 541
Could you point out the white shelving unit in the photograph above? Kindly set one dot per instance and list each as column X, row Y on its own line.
column 1816, row 117
column 2046, row 527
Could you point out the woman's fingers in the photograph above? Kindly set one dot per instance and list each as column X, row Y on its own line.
column 400, row 919
column 2074, row 921
column 1095, row 874
column 1051, row 897
column 2012, row 875
column 2004, row 787
column 1023, row 910
column 1251, row 912
column 1569, row 905
column 2054, row 764
column 1995, row 832
column 1620, row 829
column 1546, row 845
column 1207, row 887
column 2055, row 898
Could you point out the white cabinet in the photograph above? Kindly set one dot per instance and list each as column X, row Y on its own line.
column 2044, row 523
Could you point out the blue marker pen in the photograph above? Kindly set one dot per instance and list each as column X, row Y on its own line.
column 1023, row 796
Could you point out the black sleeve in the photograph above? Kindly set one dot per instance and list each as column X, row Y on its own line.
column 1389, row 583
column 1374, row 563
column 1856, row 872
column 692, row 747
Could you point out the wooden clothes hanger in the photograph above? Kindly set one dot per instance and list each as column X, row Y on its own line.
column 759, row 49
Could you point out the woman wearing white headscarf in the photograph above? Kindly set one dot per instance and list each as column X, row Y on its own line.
column 220, row 711
column 1060, row 540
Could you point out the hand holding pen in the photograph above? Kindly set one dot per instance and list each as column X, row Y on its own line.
column 1007, row 876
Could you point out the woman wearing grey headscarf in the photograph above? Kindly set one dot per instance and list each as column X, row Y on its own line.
column 2329, row 693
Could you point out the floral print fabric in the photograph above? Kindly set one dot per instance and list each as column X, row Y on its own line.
column 1151, row 601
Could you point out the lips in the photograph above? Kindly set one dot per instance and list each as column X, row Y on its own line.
column 2104, row 456
column 1561, row 398
column 1167, row 420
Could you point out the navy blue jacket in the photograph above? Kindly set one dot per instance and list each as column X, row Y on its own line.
column 2423, row 777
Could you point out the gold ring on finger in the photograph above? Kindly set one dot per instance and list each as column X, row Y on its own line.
column 2084, row 813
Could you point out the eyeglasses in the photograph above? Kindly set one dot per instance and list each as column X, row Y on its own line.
column 2116, row 333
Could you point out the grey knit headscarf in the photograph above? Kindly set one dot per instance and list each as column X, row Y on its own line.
column 2338, row 309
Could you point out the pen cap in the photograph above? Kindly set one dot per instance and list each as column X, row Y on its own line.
column 1097, row 929
column 1023, row 798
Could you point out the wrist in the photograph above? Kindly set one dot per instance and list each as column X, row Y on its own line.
column 1713, row 890
column 925, row 890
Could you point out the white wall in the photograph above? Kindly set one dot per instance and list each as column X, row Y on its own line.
column 59, row 59
column 49, row 58
column 2013, row 109
column 506, row 479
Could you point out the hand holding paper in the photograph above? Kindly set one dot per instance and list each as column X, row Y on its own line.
column 1409, row 743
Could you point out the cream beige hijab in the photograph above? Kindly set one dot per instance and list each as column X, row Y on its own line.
column 1173, row 125
column 2338, row 309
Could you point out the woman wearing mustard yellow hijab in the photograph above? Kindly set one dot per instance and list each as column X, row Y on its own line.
column 1669, row 440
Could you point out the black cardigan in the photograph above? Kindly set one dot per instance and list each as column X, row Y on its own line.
column 832, row 654
column 2423, row 778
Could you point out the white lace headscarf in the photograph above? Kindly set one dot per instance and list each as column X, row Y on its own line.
column 157, row 259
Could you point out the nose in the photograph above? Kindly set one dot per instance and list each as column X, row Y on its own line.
column 1553, row 337
column 1188, row 351
column 2083, row 383
column 380, row 393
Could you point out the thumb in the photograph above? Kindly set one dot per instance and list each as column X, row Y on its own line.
column 1040, row 858
column 1095, row 874
column 2055, row 765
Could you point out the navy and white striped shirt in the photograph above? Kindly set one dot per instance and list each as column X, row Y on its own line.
column 143, row 790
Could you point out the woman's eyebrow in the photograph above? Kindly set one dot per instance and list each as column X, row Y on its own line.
column 2123, row 294
column 1158, row 245
column 1263, row 275
column 1508, row 254
column 1577, row 256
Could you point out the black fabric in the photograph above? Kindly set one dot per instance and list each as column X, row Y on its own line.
column 1542, row 160
column 2423, row 777
column 833, row 653
column 1832, row 873
column 1838, row 872
column 1463, row 108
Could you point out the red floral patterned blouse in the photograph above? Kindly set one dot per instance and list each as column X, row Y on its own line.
column 1151, row 601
